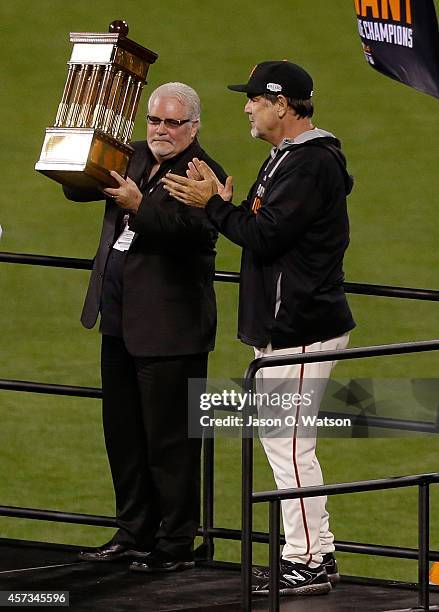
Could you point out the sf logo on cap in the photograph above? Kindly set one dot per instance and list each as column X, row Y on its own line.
column 274, row 87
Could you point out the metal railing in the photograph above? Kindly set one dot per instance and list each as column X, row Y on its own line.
column 409, row 293
column 274, row 497
column 246, row 534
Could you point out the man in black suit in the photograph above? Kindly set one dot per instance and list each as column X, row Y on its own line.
column 152, row 282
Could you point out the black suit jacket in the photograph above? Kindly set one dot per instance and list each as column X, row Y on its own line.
column 169, row 303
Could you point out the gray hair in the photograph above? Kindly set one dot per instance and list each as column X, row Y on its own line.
column 185, row 94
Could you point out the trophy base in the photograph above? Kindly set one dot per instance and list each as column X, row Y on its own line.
column 82, row 157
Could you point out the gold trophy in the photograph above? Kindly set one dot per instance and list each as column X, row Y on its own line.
column 95, row 118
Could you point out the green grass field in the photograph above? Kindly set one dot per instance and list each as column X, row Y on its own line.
column 51, row 448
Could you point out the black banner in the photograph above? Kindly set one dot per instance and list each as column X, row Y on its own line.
column 401, row 39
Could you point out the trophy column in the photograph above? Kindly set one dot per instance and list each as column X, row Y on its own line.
column 95, row 118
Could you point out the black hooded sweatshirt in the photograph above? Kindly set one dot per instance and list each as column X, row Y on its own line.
column 294, row 230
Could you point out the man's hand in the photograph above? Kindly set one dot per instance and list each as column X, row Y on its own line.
column 201, row 184
column 127, row 195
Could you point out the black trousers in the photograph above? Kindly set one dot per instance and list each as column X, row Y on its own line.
column 154, row 465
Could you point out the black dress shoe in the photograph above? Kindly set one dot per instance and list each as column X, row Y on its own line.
column 110, row 552
column 161, row 562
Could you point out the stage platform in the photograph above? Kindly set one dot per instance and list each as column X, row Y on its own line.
column 111, row 587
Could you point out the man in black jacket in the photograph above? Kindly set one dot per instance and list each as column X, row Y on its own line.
column 294, row 231
column 152, row 282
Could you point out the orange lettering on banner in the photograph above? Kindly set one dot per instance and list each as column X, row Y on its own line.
column 408, row 11
column 395, row 9
column 373, row 4
column 384, row 9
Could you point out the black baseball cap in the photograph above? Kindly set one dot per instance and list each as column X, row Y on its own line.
column 278, row 77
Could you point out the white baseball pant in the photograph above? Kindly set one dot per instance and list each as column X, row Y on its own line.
column 293, row 458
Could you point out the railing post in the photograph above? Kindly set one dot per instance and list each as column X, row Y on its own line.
column 423, row 543
column 247, row 522
column 274, row 564
column 423, row 547
column 247, row 497
column 208, row 496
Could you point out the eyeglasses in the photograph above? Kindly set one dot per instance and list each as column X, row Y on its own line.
column 170, row 123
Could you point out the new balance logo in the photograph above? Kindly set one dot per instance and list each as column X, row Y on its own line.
column 294, row 577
